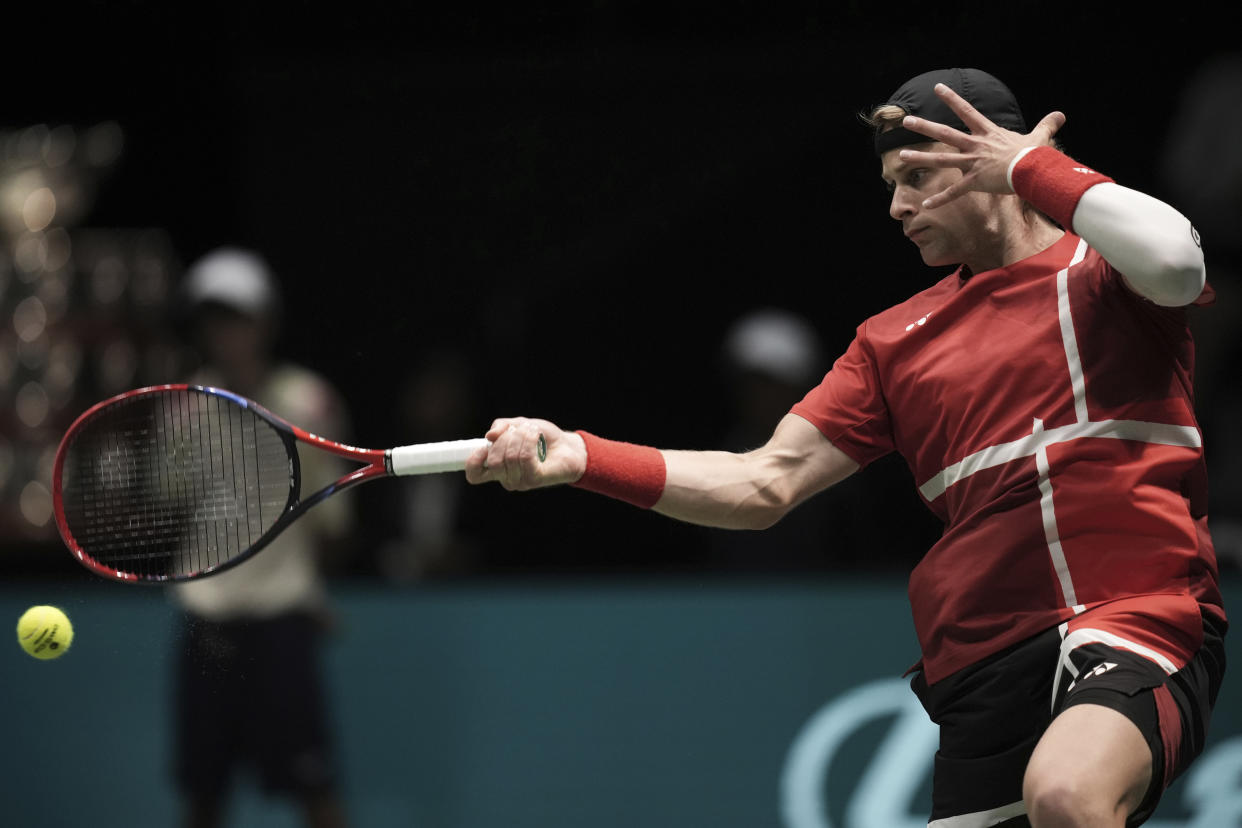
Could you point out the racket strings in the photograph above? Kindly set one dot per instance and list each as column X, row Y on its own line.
column 170, row 484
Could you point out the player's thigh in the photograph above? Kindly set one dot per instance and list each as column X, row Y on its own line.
column 991, row 715
column 1091, row 754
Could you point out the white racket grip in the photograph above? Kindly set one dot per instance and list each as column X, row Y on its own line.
column 432, row 458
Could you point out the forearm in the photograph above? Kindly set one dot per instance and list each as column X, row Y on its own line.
column 1149, row 242
column 725, row 490
column 750, row 490
column 709, row 488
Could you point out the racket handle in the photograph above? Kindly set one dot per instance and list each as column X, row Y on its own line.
column 446, row 456
column 432, row 458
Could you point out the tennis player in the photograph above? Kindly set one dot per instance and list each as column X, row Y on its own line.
column 1069, row 617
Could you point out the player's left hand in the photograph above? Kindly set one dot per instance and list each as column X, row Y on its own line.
column 984, row 154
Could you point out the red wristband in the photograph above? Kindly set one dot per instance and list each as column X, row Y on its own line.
column 635, row 474
column 1053, row 182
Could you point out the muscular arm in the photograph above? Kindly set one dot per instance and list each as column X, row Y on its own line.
column 750, row 490
column 755, row 489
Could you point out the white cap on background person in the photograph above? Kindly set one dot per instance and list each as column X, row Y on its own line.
column 775, row 343
column 236, row 278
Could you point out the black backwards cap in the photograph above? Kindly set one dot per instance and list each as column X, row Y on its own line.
column 917, row 96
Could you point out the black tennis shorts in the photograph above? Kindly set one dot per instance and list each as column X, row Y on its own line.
column 250, row 695
column 992, row 714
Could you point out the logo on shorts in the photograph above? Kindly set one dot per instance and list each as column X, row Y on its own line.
column 1097, row 670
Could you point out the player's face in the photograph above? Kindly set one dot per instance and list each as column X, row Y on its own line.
column 946, row 235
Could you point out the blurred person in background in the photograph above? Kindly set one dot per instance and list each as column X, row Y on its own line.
column 770, row 357
column 250, row 693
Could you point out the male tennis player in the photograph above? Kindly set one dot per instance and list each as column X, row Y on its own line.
column 1069, row 617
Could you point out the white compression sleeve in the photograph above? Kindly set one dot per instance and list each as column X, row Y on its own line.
column 1153, row 245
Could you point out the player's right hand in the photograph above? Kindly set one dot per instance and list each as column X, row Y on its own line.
column 513, row 457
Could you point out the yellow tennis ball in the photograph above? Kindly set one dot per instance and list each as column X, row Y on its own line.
column 44, row 632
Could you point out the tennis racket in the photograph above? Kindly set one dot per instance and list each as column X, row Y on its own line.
column 176, row 482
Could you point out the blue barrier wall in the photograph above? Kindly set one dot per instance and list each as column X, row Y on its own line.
column 663, row 703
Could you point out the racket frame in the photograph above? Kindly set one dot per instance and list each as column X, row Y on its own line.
column 376, row 463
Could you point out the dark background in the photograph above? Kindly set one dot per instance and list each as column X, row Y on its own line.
column 580, row 200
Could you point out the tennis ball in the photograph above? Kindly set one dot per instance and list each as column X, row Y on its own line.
column 44, row 632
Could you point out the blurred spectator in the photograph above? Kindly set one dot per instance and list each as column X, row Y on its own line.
column 425, row 531
column 1201, row 170
column 249, row 687
column 771, row 358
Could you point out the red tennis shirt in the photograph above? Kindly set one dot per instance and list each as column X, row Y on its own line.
column 1046, row 413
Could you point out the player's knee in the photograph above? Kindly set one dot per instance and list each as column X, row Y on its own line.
column 1056, row 799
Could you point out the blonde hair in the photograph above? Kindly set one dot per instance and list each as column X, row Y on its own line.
column 884, row 117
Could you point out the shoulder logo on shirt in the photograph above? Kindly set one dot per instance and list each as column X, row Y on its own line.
column 919, row 323
column 1194, row 234
column 1085, row 171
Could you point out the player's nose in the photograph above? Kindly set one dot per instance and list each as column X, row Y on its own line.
column 902, row 205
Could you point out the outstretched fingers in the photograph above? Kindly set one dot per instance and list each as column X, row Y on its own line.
column 1048, row 126
column 935, row 131
column 921, row 158
column 975, row 121
column 954, row 190
column 983, row 155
